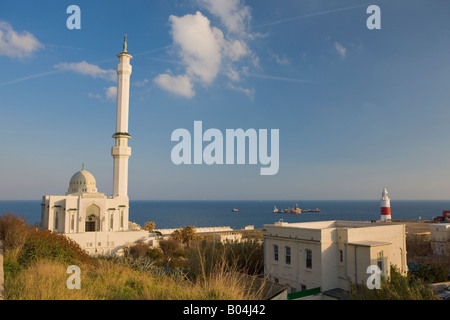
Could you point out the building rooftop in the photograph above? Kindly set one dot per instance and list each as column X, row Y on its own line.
column 367, row 243
column 329, row 224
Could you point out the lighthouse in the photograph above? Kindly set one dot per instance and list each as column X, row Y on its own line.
column 385, row 206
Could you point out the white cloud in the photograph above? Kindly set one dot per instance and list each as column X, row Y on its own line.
column 235, row 49
column 233, row 14
column 248, row 92
column 340, row 49
column 232, row 74
column 280, row 60
column 111, row 93
column 85, row 68
column 95, row 95
column 205, row 50
column 199, row 45
column 140, row 84
column 17, row 45
column 180, row 85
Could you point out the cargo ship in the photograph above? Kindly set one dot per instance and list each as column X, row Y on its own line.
column 295, row 210
column 311, row 210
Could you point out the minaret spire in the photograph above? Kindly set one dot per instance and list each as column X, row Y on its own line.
column 125, row 43
column 121, row 151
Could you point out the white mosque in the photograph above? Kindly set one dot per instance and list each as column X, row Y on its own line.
column 99, row 223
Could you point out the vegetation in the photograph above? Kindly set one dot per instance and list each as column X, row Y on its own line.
column 398, row 287
column 149, row 226
column 24, row 245
column 184, row 266
column 36, row 262
column 185, row 235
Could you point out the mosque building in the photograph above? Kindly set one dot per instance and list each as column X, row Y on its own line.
column 97, row 222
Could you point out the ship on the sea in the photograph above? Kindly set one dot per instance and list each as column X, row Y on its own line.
column 295, row 210
column 311, row 210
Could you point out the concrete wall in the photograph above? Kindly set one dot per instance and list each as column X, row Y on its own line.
column 198, row 230
column 108, row 242
column 440, row 239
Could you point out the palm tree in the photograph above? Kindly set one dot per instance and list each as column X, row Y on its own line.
column 189, row 234
column 177, row 235
column 149, row 226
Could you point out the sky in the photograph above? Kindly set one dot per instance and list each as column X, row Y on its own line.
column 357, row 109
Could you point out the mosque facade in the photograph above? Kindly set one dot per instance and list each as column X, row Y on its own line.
column 97, row 222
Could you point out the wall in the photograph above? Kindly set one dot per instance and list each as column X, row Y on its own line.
column 198, row 230
column 299, row 240
column 325, row 239
column 108, row 242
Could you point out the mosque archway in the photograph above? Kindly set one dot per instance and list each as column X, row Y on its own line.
column 92, row 218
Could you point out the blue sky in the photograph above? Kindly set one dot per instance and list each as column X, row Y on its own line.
column 357, row 109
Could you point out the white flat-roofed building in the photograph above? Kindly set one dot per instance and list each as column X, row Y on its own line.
column 331, row 254
column 440, row 239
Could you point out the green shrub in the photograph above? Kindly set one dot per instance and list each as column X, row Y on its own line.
column 24, row 244
column 398, row 287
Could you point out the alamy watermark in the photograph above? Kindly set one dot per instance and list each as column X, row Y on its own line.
column 74, row 281
column 374, row 280
column 231, row 151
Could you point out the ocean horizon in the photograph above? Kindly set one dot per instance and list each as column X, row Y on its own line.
column 218, row 213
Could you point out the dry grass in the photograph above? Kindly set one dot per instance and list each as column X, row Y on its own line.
column 46, row 280
column 36, row 262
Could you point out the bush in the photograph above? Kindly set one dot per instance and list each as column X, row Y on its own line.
column 244, row 257
column 398, row 287
column 24, row 244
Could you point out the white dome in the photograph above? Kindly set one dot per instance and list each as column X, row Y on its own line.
column 82, row 181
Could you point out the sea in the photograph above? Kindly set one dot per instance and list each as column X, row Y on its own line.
column 203, row 213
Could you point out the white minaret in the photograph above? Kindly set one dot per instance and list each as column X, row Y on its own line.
column 121, row 151
column 385, row 206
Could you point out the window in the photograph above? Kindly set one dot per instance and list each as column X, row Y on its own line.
column 341, row 256
column 111, row 222
column 308, row 259
column 380, row 259
column 288, row 255
column 275, row 252
column 56, row 221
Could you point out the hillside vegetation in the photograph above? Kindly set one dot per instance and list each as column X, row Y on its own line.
column 36, row 261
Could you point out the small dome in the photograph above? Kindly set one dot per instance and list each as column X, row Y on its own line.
column 82, row 181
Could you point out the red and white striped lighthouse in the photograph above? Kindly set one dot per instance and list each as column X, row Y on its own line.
column 385, row 206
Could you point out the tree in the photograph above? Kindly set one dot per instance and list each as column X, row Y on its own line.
column 149, row 226
column 185, row 235
column 189, row 234
column 177, row 235
column 173, row 254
